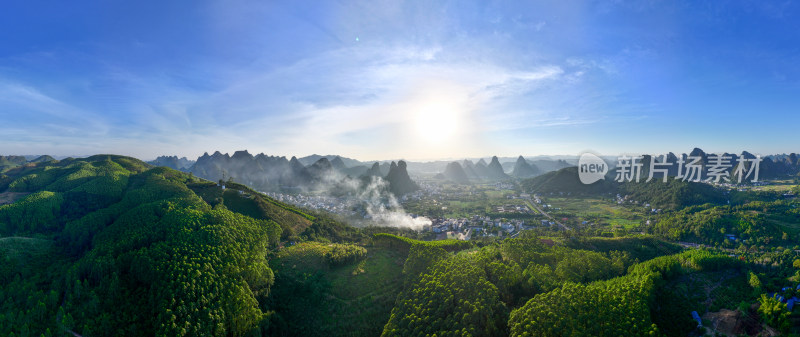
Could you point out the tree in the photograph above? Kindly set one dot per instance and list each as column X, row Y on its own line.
column 453, row 298
column 774, row 312
column 755, row 282
column 742, row 248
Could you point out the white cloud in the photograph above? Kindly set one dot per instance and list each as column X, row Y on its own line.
column 26, row 107
column 353, row 98
column 350, row 91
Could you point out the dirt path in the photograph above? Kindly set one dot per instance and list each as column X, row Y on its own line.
column 709, row 287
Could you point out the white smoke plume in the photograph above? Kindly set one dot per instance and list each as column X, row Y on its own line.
column 377, row 199
column 380, row 204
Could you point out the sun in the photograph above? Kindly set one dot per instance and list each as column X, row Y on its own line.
column 437, row 121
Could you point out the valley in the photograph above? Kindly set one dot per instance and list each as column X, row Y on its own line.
column 399, row 168
column 90, row 244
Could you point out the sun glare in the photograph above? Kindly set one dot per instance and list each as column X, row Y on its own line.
column 437, row 122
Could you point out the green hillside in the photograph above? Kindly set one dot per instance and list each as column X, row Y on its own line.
column 565, row 181
column 110, row 246
column 672, row 194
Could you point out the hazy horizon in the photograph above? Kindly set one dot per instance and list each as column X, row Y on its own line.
column 502, row 158
column 398, row 80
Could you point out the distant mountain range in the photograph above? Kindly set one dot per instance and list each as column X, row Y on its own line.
column 672, row 194
column 269, row 173
column 276, row 172
column 173, row 162
column 675, row 192
column 308, row 160
column 7, row 162
column 770, row 167
column 523, row 169
column 279, row 173
column 356, row 167
column 544, row 163
column 455, row 173
column 467, row 171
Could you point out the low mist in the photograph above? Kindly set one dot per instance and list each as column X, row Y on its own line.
column 380, row 204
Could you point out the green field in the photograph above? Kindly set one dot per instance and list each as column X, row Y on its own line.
column 501, row 194
column 466, row 208
column 778, row 186
column 592, row 209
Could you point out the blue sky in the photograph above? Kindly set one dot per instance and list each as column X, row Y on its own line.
column 396, row 79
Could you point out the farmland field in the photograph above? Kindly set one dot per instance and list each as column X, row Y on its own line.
column 595, row 210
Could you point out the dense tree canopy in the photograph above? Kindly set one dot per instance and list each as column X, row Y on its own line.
column 109, row 246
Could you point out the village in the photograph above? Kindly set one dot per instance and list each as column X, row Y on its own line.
column 477, row 226
column 504, row 216
column 336, row 205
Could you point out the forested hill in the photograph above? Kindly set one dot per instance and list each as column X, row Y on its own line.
column 667, row 195
column 111, row 246
column 566, row 180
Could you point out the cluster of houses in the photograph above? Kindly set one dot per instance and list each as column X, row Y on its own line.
column 739, row 187
column 512, row 209
column 624, row 199
column 426, row 189
column 477, row 226
column 504, row 186
column 789, row 302
column 341, row 206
